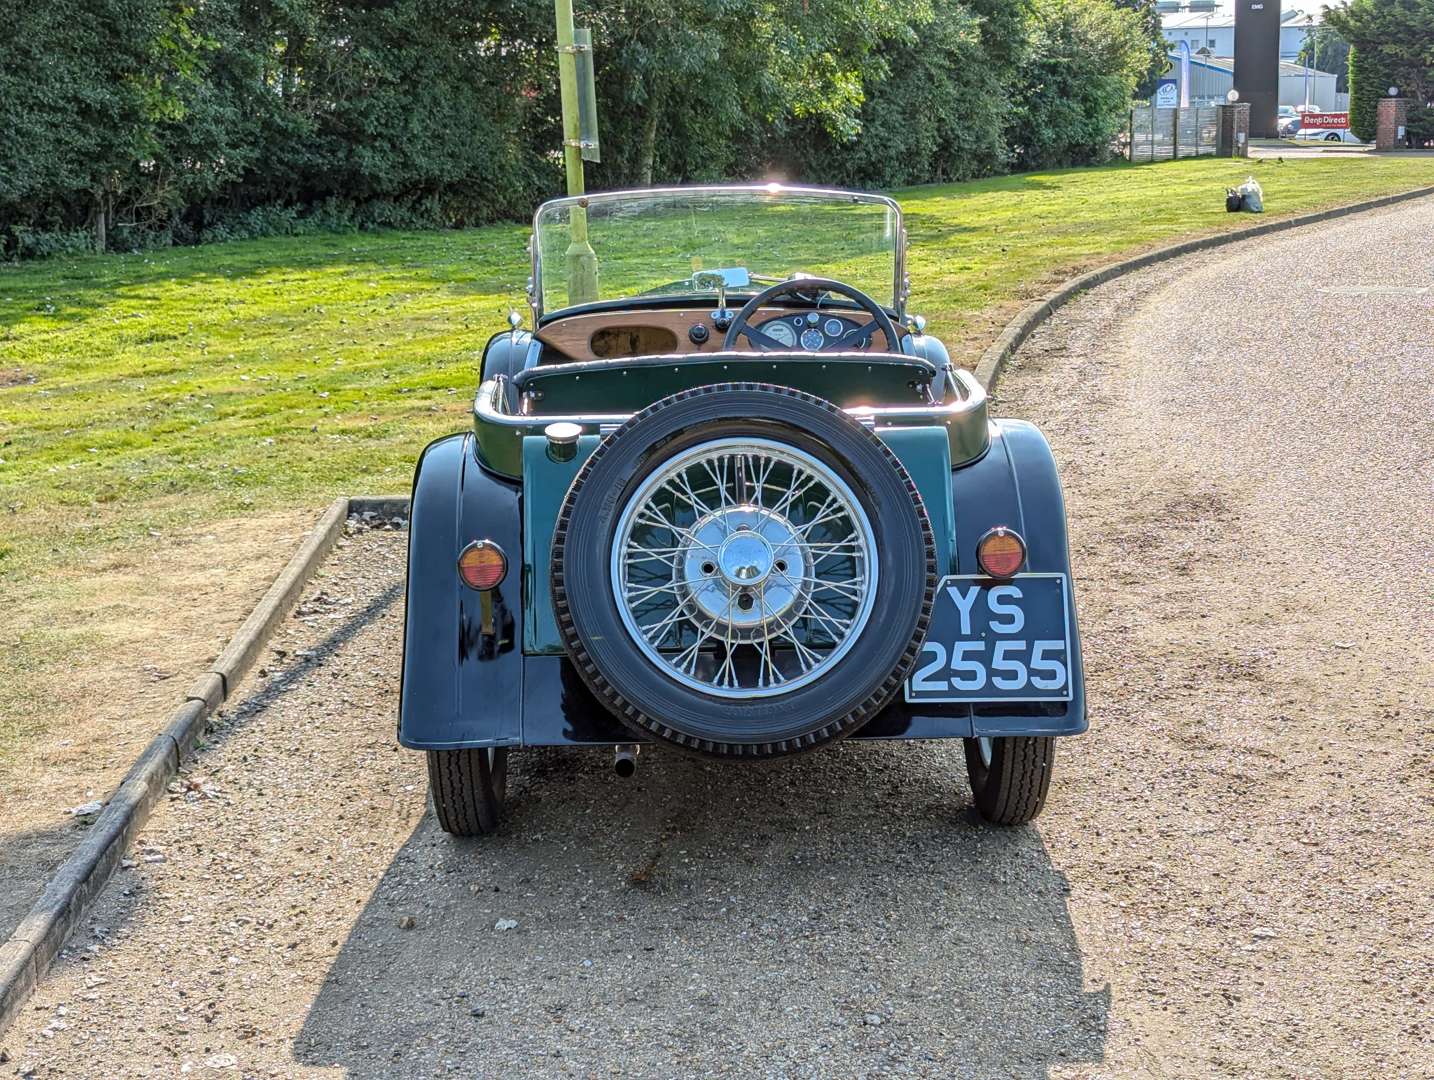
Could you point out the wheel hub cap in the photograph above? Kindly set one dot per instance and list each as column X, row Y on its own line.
column 743, row 570
column 745, row 559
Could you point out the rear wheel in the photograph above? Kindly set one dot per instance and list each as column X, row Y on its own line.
column 468, row 788
column 1010, row 776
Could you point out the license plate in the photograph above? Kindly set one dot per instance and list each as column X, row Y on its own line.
column 996, row 641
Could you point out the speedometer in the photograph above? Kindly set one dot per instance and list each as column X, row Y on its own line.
column 778, row 330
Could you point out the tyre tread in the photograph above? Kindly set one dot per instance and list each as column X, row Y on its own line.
column 1013, row 790
column 464, row 797
column 630, row 712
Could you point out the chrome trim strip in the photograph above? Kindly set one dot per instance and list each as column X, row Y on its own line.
column 898, row 284
column 487, row 409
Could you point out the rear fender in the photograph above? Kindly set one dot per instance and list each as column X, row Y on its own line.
column 1016, row 484
column 462, row 665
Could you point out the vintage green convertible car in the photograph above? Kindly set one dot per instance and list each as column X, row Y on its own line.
column 727, row 498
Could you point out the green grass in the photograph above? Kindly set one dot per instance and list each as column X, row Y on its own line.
column 145, row 392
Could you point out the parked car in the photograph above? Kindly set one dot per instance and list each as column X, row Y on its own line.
column 1287, row 121
column 1339, row 135
column 728, row 499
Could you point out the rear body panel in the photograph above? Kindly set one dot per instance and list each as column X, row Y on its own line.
column 511, row 685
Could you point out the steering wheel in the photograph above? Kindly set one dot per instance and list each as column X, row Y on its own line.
column 854, row 339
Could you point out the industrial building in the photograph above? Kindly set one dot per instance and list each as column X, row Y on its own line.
column 1207, row 26
column 1212, row 77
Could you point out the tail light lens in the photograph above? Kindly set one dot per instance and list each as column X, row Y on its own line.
column 1001, row 552
column 482, row 565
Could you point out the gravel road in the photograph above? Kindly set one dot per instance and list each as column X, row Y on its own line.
column 1233, row 876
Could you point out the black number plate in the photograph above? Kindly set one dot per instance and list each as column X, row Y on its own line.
column 996, row 641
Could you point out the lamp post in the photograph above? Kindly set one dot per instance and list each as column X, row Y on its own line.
column 581, row 259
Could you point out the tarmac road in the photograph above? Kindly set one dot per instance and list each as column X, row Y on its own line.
column 1233, row 876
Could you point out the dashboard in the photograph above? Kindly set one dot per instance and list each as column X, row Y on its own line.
column 612, row 335
column 810, row 331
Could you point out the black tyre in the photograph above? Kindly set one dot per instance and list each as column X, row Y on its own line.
column 827, row 591
column 468, row 788
column 1010, row 776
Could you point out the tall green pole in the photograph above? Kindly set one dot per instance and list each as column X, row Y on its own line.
column 582, row 260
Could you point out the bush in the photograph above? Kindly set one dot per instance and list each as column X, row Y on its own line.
column 331, row 215
column 1084, row 59
column 1420, row 125
column 1367, row 83
column 936, row 116
column 138, row 123
column 27, row 243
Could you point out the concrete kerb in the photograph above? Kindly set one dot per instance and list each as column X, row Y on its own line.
column 68, row 896
column 988, row 368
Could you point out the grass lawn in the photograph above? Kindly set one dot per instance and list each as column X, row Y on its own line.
column 142, row 395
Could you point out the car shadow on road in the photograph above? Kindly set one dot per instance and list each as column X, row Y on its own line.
column 839, row 914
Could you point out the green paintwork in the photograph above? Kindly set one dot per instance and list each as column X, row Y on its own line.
column 624, row 388
column 923, row 451
column 545, row 485
column 600, row 398
column 926, row 455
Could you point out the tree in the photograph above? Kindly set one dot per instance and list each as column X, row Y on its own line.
column 1326, row 50
column 1156, row 47
column 689, row 89
column 1084, row 59
column 1392, row 43
column 1368, row 78
column 87, row 87
column 136, row 122
column 938, row 113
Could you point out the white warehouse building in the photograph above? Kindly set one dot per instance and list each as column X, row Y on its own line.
column 1212, row 77
column 1213, row 28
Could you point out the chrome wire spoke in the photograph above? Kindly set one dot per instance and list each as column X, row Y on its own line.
column 639, row 592
column 762, row 480
column 663, row 625
column 698, row 505
column 835, row 626
column 850, row 588
column 686, row 534
column 768, row 664
column 727, row 674
column 825, row 514
column 744, row 567
column 687, row 660
column 662, row 554
column 803, row 652
column 794, row 492
column 719, row 480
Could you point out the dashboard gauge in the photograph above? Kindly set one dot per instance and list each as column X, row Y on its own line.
column 812, row 339
column 778, row 330
column 834, row 328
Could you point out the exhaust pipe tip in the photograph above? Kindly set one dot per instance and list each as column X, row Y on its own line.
column 624, row 761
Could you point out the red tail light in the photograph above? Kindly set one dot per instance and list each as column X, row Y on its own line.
column 1001, row 552
column 482, row 565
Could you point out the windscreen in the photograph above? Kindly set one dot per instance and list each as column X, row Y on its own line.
column 681, row 243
